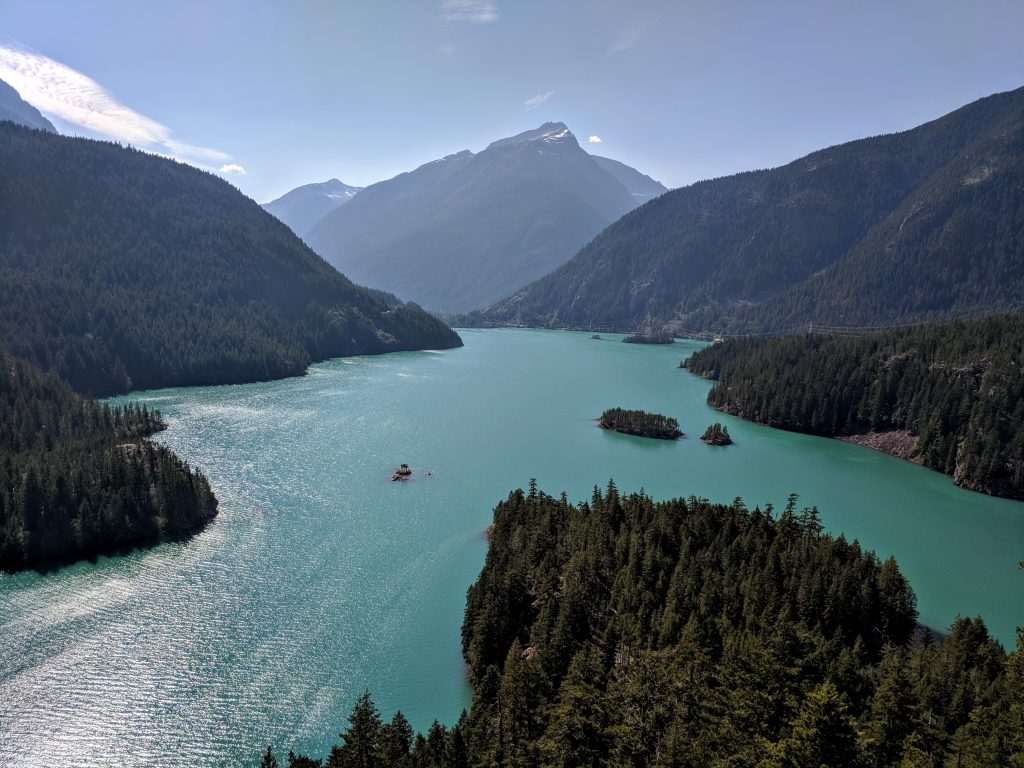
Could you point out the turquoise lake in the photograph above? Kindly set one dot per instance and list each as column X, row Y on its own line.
column 320, row 577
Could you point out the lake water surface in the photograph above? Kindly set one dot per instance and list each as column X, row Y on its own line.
column 320, row 578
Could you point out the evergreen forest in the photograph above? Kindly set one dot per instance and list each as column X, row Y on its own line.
column 77, row 478
column 627, row 632
column 955, row 390
column 123, row 270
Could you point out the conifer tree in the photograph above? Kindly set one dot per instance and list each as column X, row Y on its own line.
column 360, row 747
column 268, row 761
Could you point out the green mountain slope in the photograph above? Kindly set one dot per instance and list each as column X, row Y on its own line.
column 78, row 479
column 912, row 225
column 121, row 269
column 463, row 231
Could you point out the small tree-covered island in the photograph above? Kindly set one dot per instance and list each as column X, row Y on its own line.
column 640, row 423
column 716, row 434
column 623, row 631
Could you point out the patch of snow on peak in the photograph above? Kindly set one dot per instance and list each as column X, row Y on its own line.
column 556, row 135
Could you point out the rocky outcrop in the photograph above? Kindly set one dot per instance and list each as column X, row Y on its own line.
column 895, row 442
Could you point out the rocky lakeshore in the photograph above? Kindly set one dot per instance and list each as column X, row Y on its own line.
column 895, row 442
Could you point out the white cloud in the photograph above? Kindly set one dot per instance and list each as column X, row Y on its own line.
column 65, row 93
column 536, row 101
column 232, row 168
column 627, row 39
column 594, row 139
column 447, row 49
column 475, row 11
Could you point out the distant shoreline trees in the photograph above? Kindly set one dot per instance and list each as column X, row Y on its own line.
column 650, row 338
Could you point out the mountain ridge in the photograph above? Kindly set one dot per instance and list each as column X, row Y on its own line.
column 302, row 207
column 465, row 229
column 770, row 250
column 15, row 109
column 640, row 185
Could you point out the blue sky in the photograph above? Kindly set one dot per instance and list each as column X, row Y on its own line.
column 294, row 92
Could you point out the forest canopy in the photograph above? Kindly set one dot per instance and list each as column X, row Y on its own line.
column 123, row 270
column 956, row 390
column 77, row 478
column 628, row 632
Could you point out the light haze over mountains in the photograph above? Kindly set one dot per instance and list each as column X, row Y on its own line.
column 463, row 231
column 919, row 225
column 304, row 206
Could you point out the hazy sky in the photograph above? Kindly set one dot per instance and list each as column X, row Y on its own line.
column 294, row 92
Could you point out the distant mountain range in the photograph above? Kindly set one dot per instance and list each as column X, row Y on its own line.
column 641, row 186
column 918, row 225
column 465, row 230
column 17, row 110
column 125, row 270
column 304, row 206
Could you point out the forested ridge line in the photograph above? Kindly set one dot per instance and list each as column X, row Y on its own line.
column 626, row 632
column 956, row 391
column 123, row 270
column 77, row 478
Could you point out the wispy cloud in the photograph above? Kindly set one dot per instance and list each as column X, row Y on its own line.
column 447, row 49
column 232, row 168
column 474, row 11
column 627, row 39
column 536, row 101
column 594, row 139
column 65, row 93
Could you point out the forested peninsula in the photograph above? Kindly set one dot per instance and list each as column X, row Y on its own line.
column 627, row 632
column 123, row 270
column 77, row 478
column 949, row 396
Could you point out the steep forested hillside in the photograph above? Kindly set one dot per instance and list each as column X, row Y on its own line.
column 77, row 478
column 463, row 231
column 950, row 396
column 628, row 632
column 121, row 269
column 916, row 225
